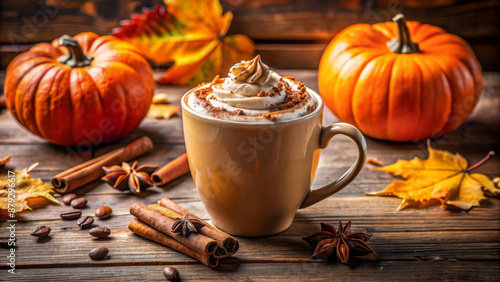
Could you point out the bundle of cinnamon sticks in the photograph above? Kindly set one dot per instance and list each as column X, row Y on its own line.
column 155, row 222
column 91, row 170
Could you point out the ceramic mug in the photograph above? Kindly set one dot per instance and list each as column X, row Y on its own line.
column 252, row 177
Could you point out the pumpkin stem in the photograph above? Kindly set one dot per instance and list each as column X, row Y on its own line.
column 75, row 56
column 402, row 44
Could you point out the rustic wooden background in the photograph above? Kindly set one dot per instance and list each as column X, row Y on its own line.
column 288, row 33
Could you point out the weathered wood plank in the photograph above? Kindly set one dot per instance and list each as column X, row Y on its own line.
column 320, row 20
column 369, row 271
column 267, row 22
column 338, row 156
column 426, row 237
column 481, row 125
column 271, row 20
column 334, row 161
column 337, row 207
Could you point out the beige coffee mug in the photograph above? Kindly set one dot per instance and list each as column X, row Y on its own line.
column 253, row 177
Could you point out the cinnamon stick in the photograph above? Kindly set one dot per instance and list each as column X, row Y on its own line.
column 91, row 170
column 146, row 231
column 171, row 171
column 220, row 252
column 229, row 243
column 196, row 242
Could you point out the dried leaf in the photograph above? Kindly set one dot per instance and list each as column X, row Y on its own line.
column 190, row 33
column 160, row 98
column 215, row 59
column 26, row 189
column 442, row 178
column 5, row 160
column 162, row 111
column 496, row 181
column 374, row 161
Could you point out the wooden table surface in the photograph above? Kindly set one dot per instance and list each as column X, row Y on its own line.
column 412, row 244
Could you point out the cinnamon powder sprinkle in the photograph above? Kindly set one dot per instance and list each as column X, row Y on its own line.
column 293, row 99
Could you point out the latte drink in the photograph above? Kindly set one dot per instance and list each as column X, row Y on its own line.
column 253, row 142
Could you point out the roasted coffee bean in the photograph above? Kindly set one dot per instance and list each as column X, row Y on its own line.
column 41, row 231
column 4, row 241
column 98, row 253
column 171, row 273
column 68, row 198
column 100, row 232
column 85, row 222
column 79, row 203
column 103, row 212
column 72, row 214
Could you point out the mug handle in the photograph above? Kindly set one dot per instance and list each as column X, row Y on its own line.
column 327, row 134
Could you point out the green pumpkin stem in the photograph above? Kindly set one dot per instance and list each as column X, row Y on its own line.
column 402, row 44
column 75, row 57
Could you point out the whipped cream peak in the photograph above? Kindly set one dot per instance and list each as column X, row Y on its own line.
column 253, row 92
column 253, row 71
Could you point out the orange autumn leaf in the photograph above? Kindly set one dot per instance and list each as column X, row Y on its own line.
column 190, row 33
column 442, row 178
column 162, row 111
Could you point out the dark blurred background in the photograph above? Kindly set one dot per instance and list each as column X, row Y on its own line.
column 288, row 33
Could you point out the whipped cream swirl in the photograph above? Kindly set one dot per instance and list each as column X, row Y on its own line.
column 246, row 80
column 252, row 90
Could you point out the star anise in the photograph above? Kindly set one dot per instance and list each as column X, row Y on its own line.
column 186, row 226
column 342, row 243
column 129, row 177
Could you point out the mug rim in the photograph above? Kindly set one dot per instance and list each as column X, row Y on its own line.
column 185, row 107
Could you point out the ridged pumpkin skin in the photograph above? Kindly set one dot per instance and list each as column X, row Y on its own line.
column 395, row 96
column 99, row 103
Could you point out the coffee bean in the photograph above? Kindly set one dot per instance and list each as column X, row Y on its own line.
column 103, row 212
column 72, row 214
column 100, row 232
column 85, row 222
column 40, row 231
column 98, row 253
column 171, row 273
column 68, row 198
column 79, row 202
column 4, row 241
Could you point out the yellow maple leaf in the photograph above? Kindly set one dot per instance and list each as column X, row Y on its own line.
column 443, row 177
column 25, row 189
column 190, row 33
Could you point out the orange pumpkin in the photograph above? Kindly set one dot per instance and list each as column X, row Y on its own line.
column 400, row 81
column 80, row 91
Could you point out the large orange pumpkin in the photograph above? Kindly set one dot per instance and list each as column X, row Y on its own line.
column 80, row 91
column 400, row 81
